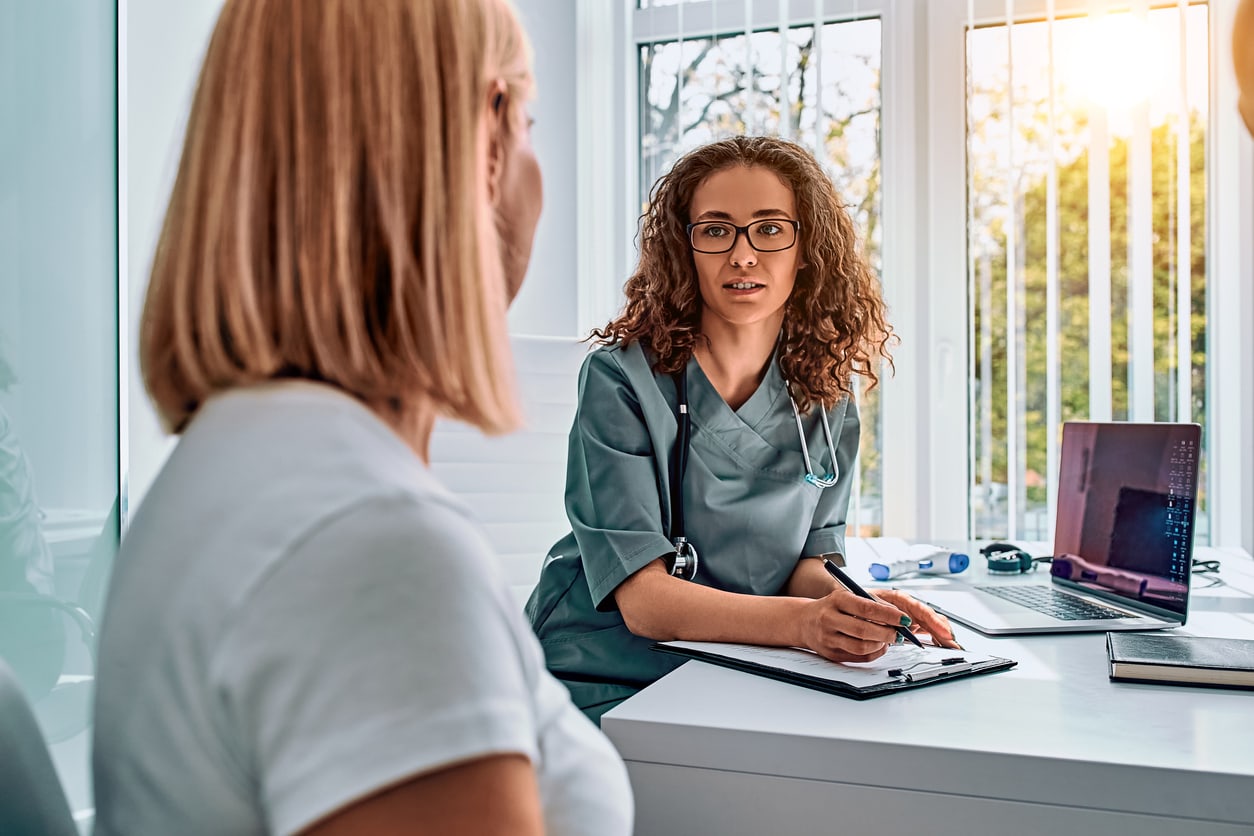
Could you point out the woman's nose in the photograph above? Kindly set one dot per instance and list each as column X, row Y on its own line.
column 742, row 253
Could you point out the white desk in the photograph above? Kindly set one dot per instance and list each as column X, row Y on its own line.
column 1050, row 747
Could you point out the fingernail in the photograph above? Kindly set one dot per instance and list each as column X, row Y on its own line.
column 905, row 621
column 900, row 639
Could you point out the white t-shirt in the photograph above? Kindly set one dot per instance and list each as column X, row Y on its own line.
column 300, row 616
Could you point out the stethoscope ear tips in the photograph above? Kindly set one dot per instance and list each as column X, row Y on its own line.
column 1007, row 559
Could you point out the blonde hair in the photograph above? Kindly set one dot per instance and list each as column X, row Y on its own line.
column 330, row 219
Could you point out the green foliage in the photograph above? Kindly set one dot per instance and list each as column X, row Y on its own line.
column 1073, row 307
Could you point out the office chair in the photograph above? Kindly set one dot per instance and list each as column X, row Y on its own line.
column 85, row 613
column 63, row 707
column 31, row 799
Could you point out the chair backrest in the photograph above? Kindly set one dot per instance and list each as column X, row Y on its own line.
column 95, row 583
column 516, row 484
column 31, row 798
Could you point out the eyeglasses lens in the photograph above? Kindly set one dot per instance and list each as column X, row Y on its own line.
column 765, row 236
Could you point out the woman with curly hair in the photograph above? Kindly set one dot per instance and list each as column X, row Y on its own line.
column 711, row 457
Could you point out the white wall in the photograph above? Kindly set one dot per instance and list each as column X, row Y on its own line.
column 547, row 303
column 165, row 44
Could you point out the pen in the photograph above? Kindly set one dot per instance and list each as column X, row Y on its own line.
column 937, row 670
column 847, row 582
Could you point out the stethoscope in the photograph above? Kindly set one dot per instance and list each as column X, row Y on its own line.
column 685, row 562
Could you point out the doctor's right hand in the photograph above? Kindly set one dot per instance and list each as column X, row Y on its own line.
column 845, row 628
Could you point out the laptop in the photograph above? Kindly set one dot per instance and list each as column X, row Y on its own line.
column 1123, row 540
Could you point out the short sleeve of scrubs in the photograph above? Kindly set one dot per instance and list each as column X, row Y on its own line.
column 827, row 533
column 614, row 485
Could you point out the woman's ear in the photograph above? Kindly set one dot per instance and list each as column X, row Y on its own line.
column 496, row 116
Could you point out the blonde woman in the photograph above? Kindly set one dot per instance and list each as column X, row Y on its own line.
column 305, row 633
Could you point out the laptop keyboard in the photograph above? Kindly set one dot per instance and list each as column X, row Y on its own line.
column 1050, row 601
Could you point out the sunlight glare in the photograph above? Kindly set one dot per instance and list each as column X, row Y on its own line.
column 1117, row 63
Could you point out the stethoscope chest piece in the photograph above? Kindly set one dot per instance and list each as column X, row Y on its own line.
column 684, row 563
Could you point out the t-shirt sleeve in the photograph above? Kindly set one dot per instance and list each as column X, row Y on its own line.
column 827, row 531
column 381, row 647
column 613, row 486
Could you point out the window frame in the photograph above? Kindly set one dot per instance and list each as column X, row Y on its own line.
column 925, row 404
column 1230, row 304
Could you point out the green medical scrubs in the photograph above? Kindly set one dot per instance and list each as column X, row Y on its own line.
column 748, row 509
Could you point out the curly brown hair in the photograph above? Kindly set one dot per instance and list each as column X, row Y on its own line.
column 835, row 324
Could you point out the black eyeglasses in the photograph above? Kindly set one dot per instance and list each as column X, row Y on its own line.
column 766, row 236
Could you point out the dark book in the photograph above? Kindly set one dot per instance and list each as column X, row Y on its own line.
column 1181, row 660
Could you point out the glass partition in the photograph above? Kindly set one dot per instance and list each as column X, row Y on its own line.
column 59, row 421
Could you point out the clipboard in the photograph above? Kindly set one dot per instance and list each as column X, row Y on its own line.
column 902, row 668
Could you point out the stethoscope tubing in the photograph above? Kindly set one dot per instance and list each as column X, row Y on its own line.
column 681, row 455
column 685, row 551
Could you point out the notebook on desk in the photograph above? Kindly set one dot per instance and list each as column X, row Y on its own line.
column 1123, row 539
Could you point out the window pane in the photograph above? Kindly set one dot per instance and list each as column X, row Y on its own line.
column 823, row 92
column 848, row 132
column 730, row 85
column 58, row 356
column 1096, row 93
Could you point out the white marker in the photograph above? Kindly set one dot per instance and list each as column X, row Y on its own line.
column 922, row 559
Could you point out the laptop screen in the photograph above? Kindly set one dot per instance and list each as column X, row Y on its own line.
column 1126, row 497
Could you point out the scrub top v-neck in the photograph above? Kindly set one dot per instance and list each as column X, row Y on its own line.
column 747, row 508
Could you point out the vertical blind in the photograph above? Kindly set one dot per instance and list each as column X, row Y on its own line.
column 1085, row 135
column 1087, row 275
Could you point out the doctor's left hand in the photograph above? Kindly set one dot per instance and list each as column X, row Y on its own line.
column 924, row 618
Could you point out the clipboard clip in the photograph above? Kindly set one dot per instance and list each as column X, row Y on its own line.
column 922, row 671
